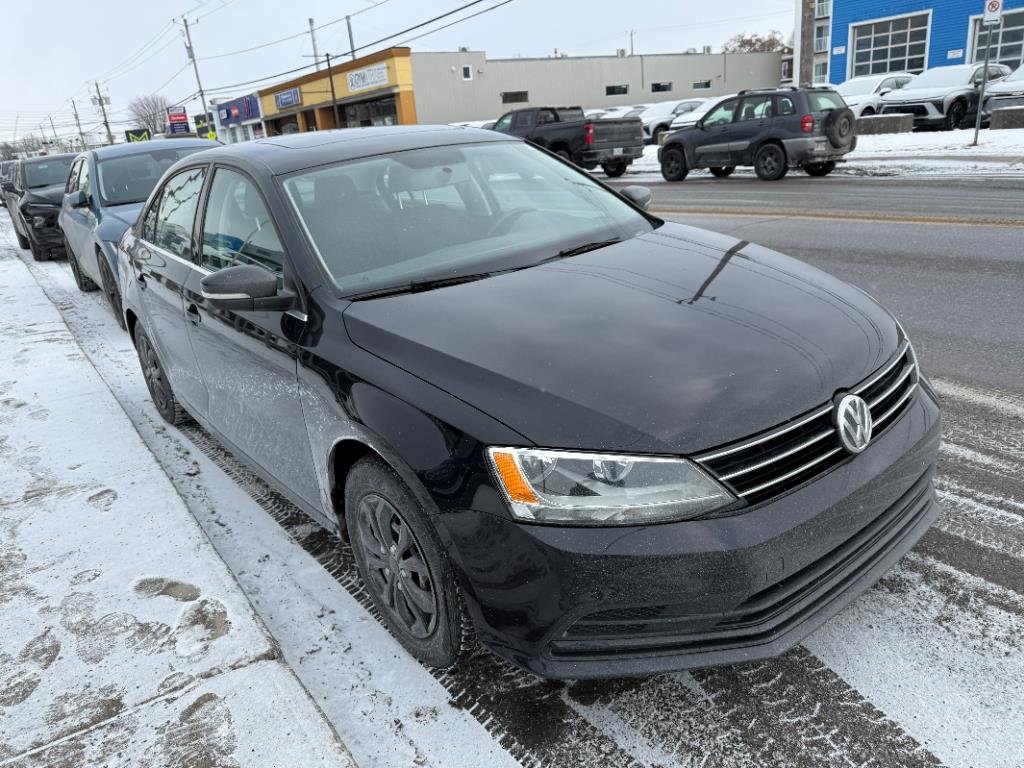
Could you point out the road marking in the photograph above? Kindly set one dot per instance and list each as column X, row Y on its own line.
column 839, row 216
column 1003, row 403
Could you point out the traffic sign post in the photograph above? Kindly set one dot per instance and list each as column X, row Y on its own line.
column 993, row 18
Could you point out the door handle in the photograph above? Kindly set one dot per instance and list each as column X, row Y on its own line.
column 193, row 314
column 141, row 280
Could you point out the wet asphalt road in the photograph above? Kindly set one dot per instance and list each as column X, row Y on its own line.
column 925, row 669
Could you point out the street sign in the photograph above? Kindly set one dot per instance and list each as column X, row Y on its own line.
column 993, row 12
column 178, row 127
column 175, row 110
column 137, row 134
column 290, row 98
column 212, row 135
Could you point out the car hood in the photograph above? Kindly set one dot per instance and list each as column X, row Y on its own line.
column 52, row 195
column 116, row 219
column 672, row 342
column 908, row 93
column 853, row 101
column 1004, row 87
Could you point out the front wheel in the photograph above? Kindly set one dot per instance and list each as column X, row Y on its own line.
column 868, row 112
column 673, row 164
column 723, row 172
column 955, row 116
column 160, row 390
column 83, row 281
column 403, row 566
column 820, row 169
column 614, row 170
column 111, row 290
column 23, row 242
column 770, row 162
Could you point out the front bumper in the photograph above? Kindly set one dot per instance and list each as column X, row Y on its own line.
column 43, row 227
column 926, row 114
column 814, row 149
column 606, row 602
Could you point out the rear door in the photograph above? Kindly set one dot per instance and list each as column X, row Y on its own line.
column 712, row 145
column 753, row 118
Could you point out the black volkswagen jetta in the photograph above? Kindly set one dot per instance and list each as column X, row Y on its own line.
column 606, row 444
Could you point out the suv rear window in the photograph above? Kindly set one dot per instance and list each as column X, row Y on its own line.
column 825, row 101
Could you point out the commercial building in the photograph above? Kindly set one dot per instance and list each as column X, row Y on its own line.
column 239, row 119
column 863, row 37
column 398, row 86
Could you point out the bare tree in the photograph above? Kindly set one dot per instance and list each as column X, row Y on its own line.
column 150, row 112
column 755, row 43
column 7, row 151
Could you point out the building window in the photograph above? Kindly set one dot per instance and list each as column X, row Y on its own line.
column 787, row 69
column 821, row 72
column 821, row 38
column 702, row 85
column 515, row 97
column 822, row 8
column 467, row 72
column 661, row 87
column 616, row 90
column 893, row 45
column 1007, row 40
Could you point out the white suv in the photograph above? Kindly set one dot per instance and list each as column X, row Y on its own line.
column 863, row 95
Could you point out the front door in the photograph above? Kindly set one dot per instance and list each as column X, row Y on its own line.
column 80, row 222
column 712, row 143
column 753, row 118
column 248, row 364
column 162, row 260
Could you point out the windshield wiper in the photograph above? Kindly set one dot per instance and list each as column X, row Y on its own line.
column 584, row 248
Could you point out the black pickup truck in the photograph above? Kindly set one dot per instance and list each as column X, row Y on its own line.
column 612, row 144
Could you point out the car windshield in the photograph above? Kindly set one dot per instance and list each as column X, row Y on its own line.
column 1018, row 75
column 130, row 178
column 943, row 77
column 47, row 173
column 858, row 86
column 450, row 212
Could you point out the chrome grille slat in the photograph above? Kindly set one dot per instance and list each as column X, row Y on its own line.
column 895, row 385
column 793, row 473
column 896, row 406
column 779, row 457
column 770, row 436
column 900, row 355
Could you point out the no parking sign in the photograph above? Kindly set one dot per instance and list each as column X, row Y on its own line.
column 993, row 12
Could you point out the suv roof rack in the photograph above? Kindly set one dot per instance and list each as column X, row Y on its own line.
column 776, row 88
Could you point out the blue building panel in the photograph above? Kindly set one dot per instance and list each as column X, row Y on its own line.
column 239, row 110
column 949, row 28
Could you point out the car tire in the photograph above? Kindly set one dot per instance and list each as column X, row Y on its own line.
column 110, row 289
column 955, row 115
column 614, row 170
column 673, row 164
column 23, row 242
column 820, row 169
column 564, row 154
column 160, row 389
column 840, row 127
column 388, row 529
column 722, row 173
column 770, row 162
column 84, row 283
column 868, row 112
column 656, row 135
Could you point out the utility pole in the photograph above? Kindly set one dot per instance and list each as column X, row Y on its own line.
column 351, row 42
column 334, row 99
column 312, row 35
column 632, row 32
column 195, row 68
column 78, row 122
column 103, row 109
column 55, row 137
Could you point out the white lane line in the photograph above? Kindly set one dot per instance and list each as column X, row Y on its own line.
column 1003, row 403
column 980, row 458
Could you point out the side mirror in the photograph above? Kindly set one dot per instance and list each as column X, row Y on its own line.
column 7, row 186
column 884, row 91
column 637, row 195
column 700, row 124
column 77, row 199
column 245, row 287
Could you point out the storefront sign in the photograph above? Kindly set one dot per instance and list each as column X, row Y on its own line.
column 179, row 127
column 290, row 98
column 956, row 53
column 136, row 134
column 371, row 77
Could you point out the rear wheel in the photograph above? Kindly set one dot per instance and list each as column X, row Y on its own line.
column 955, row 116
column 614, row 170
column 722, row 172
column 770, row 162
column 160, row 390
column 673, row 164
column 403, row 566
column 564, row 154
column 820, row 169
column 84, row 283
column 22, row 240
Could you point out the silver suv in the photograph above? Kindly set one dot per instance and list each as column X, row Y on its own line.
column 943, row 97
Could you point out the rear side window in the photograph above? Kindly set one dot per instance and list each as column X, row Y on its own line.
column 237, row 228
column 755, row 108
column 825, row 101
column 179, row 200
column 786, row 106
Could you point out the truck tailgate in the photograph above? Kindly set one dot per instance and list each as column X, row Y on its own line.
column 622, row 132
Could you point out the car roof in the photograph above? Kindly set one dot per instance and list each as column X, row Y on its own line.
column 293, row 152
column 141, row 147
column 47, row 158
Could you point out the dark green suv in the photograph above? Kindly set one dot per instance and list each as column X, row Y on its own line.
column 772, row 130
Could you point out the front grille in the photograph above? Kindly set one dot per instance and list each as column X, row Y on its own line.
column 908, row 109
column 783, row 458
column 761, row 617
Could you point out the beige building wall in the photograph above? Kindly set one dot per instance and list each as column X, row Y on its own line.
column 443, row 95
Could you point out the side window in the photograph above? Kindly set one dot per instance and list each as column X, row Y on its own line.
column 179, row 200
column 546, row 116
column 504, row 123
column 83, row 178
column 237, row 228
column 721, row 114
column 785, row 106
column 72, row 184
column 523, row 120
column 890, row 83
column 755, row 108
column 149, row 223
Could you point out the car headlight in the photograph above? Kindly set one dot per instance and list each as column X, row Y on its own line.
column 575, row 488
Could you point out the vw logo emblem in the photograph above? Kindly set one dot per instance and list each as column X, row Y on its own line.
column 853, row 423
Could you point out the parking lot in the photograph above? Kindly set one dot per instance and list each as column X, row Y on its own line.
column 925, row 669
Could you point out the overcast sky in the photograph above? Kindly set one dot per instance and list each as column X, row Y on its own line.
column 53, row 51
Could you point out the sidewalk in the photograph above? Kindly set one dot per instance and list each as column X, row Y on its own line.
column 125, row 640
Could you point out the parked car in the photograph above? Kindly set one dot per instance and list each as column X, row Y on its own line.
column 1008, row 92
column 863, row 95
column 613, row 113
column 6, row 172
column 658, row 117
column 611, row 143
column 943, row 97
column 690, row 118
column 105, row 190
column 772, row 129
column 33, row 200
column 603, row 443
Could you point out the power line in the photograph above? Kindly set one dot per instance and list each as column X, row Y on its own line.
column 138, row 64
column 457, row 21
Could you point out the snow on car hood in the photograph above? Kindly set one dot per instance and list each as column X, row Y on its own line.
column 908, row 94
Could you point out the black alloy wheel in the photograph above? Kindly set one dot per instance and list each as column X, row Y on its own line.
column 820, row 169
column 673, row 164
column 956, row 114
column 403, row 566
column 113, row 293
column 722, row 172
column 84, row 283
column 156, row 380
column 770, row 162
